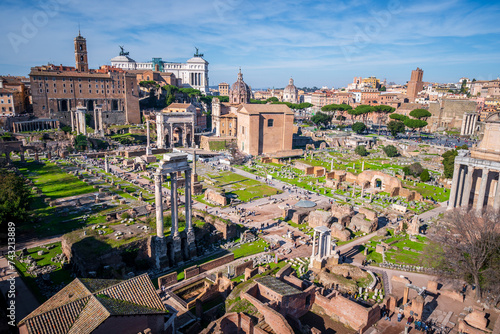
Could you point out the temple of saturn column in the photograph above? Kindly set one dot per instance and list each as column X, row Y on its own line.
column 469, row 123
column 169, row 251
column 78, row 120
column 476, row 176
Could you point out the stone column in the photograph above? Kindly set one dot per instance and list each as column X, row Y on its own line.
column 321, row 245
column 467, row 187
column 159, row 206
column 482, row 190
column 101, row 127
column 173, row 204
column 96, row 124
column 454, row 187
column 147, row 124
column 329, row 245
column 460, row 188
column 187, row 175
column 474, row 124
column 496, row 203
column 464, row 121
column 314, row 245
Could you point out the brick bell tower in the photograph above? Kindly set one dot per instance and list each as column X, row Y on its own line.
column 81, row 53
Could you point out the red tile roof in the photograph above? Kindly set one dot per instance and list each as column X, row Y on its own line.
column 84, row 304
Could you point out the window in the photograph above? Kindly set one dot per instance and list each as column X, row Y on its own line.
column 81, row 58
column 270, row 122
column 8, row 101
column 1, row 101
column 3, row 108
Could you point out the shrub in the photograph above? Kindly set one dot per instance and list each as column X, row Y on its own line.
column 425, row 176
column 390, row 151
column 361, row 150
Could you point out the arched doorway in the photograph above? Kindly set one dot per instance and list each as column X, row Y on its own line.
column 177, row 137
column 377, row 183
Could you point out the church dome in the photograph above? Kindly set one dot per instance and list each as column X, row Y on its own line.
column 240, row 91
column 290, row 92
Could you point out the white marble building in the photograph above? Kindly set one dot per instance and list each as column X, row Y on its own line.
column 193, row 73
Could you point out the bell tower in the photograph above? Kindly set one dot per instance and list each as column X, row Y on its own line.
column 81, row 54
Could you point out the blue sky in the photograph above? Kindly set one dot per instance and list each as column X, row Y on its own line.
column 315, row 42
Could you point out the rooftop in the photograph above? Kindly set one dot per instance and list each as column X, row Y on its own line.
column 82, row 305
column 277, row 286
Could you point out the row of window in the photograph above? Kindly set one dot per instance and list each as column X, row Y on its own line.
column 64, row 79
column 80, row 86
column 2, row 101
column 6, row 95
column 90, row 91
column 3, row 109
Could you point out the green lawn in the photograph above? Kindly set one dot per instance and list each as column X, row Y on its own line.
column 54, row 181
column 249, row 248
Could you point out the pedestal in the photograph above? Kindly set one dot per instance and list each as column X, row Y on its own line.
column 176, row 243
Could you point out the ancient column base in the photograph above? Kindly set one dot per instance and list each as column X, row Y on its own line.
column 177, row 249
column 191, row 244
column 157, row 251
column 149, row 151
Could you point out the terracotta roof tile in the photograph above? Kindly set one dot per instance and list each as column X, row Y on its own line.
column 84, row 304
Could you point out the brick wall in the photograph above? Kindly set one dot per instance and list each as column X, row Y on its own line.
column 274, row 319
column 167, row 280
column 240, row 269
column 348, row 312
column 195, row 270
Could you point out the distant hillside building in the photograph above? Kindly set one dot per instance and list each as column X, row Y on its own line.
column 193, row 73
column 58, row 89
column 224, row 89
column 415, row 85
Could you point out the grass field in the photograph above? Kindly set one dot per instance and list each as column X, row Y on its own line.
column 55, row 182
column 249, row 248
column 59, row 276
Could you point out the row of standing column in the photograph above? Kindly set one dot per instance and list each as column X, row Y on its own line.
column 324, row 248
column 462, row 187
column 469, row 124
column 173, row 201
column 35, row 126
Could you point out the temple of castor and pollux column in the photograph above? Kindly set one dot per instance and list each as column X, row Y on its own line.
column 476, row 176
column 169, row 251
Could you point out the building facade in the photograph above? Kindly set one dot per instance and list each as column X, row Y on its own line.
column 415, row 85
column 264, row 128
column 58, row 89
column 193, row 73
column 476, row 176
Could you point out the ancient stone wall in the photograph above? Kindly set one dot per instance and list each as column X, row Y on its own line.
column 167, row 280
column 216, row 197
column 241, row 268
column 195, row 270
column 349, row 312
column 274, row 319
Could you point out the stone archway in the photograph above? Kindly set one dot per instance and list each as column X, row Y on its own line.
column 377, row 183
column 177, row 136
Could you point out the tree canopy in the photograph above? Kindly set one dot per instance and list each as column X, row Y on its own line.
column 396, row 127
column 383, row 109
column 359, row 127
column 415, row 124
column 398, row 117
column 15, row 199
column 420, row 114
column 321, row 118
column 449, row 160
column 336, row 107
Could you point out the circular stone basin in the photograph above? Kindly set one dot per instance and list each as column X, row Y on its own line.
column 305, row 204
